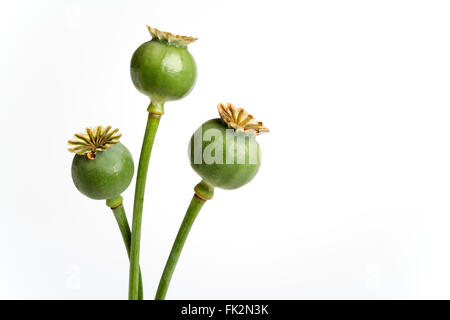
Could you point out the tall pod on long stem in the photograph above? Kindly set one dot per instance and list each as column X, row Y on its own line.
column 102, row 169
column 164, row 70
column 225, row 154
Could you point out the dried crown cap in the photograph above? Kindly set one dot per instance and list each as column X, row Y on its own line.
column 240, row 120
column 170, row 37
column 93, row 140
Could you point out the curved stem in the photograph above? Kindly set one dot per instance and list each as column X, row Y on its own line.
column 147, row 144
column 122, row 222
column 192, row 212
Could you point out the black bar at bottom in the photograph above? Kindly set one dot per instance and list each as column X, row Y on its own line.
column 227, row 309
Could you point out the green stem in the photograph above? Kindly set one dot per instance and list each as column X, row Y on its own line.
column 122, row 222
column 155, row 112
column 192, row 212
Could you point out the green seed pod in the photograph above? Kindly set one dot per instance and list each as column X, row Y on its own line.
column 102, row 167
column 224, row 152
column 163, row 68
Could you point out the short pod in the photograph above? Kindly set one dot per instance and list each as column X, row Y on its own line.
column 102, row 167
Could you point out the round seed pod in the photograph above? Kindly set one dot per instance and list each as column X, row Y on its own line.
column 102, row 167
column 224, row 151
column 163, row 68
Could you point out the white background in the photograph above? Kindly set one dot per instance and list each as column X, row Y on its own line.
column 352, row 198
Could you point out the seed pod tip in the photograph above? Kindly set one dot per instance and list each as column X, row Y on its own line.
column 240, row 120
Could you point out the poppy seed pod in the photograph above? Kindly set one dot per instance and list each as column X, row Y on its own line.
column 102, row 167
column 163, row 68
column 224, row 151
